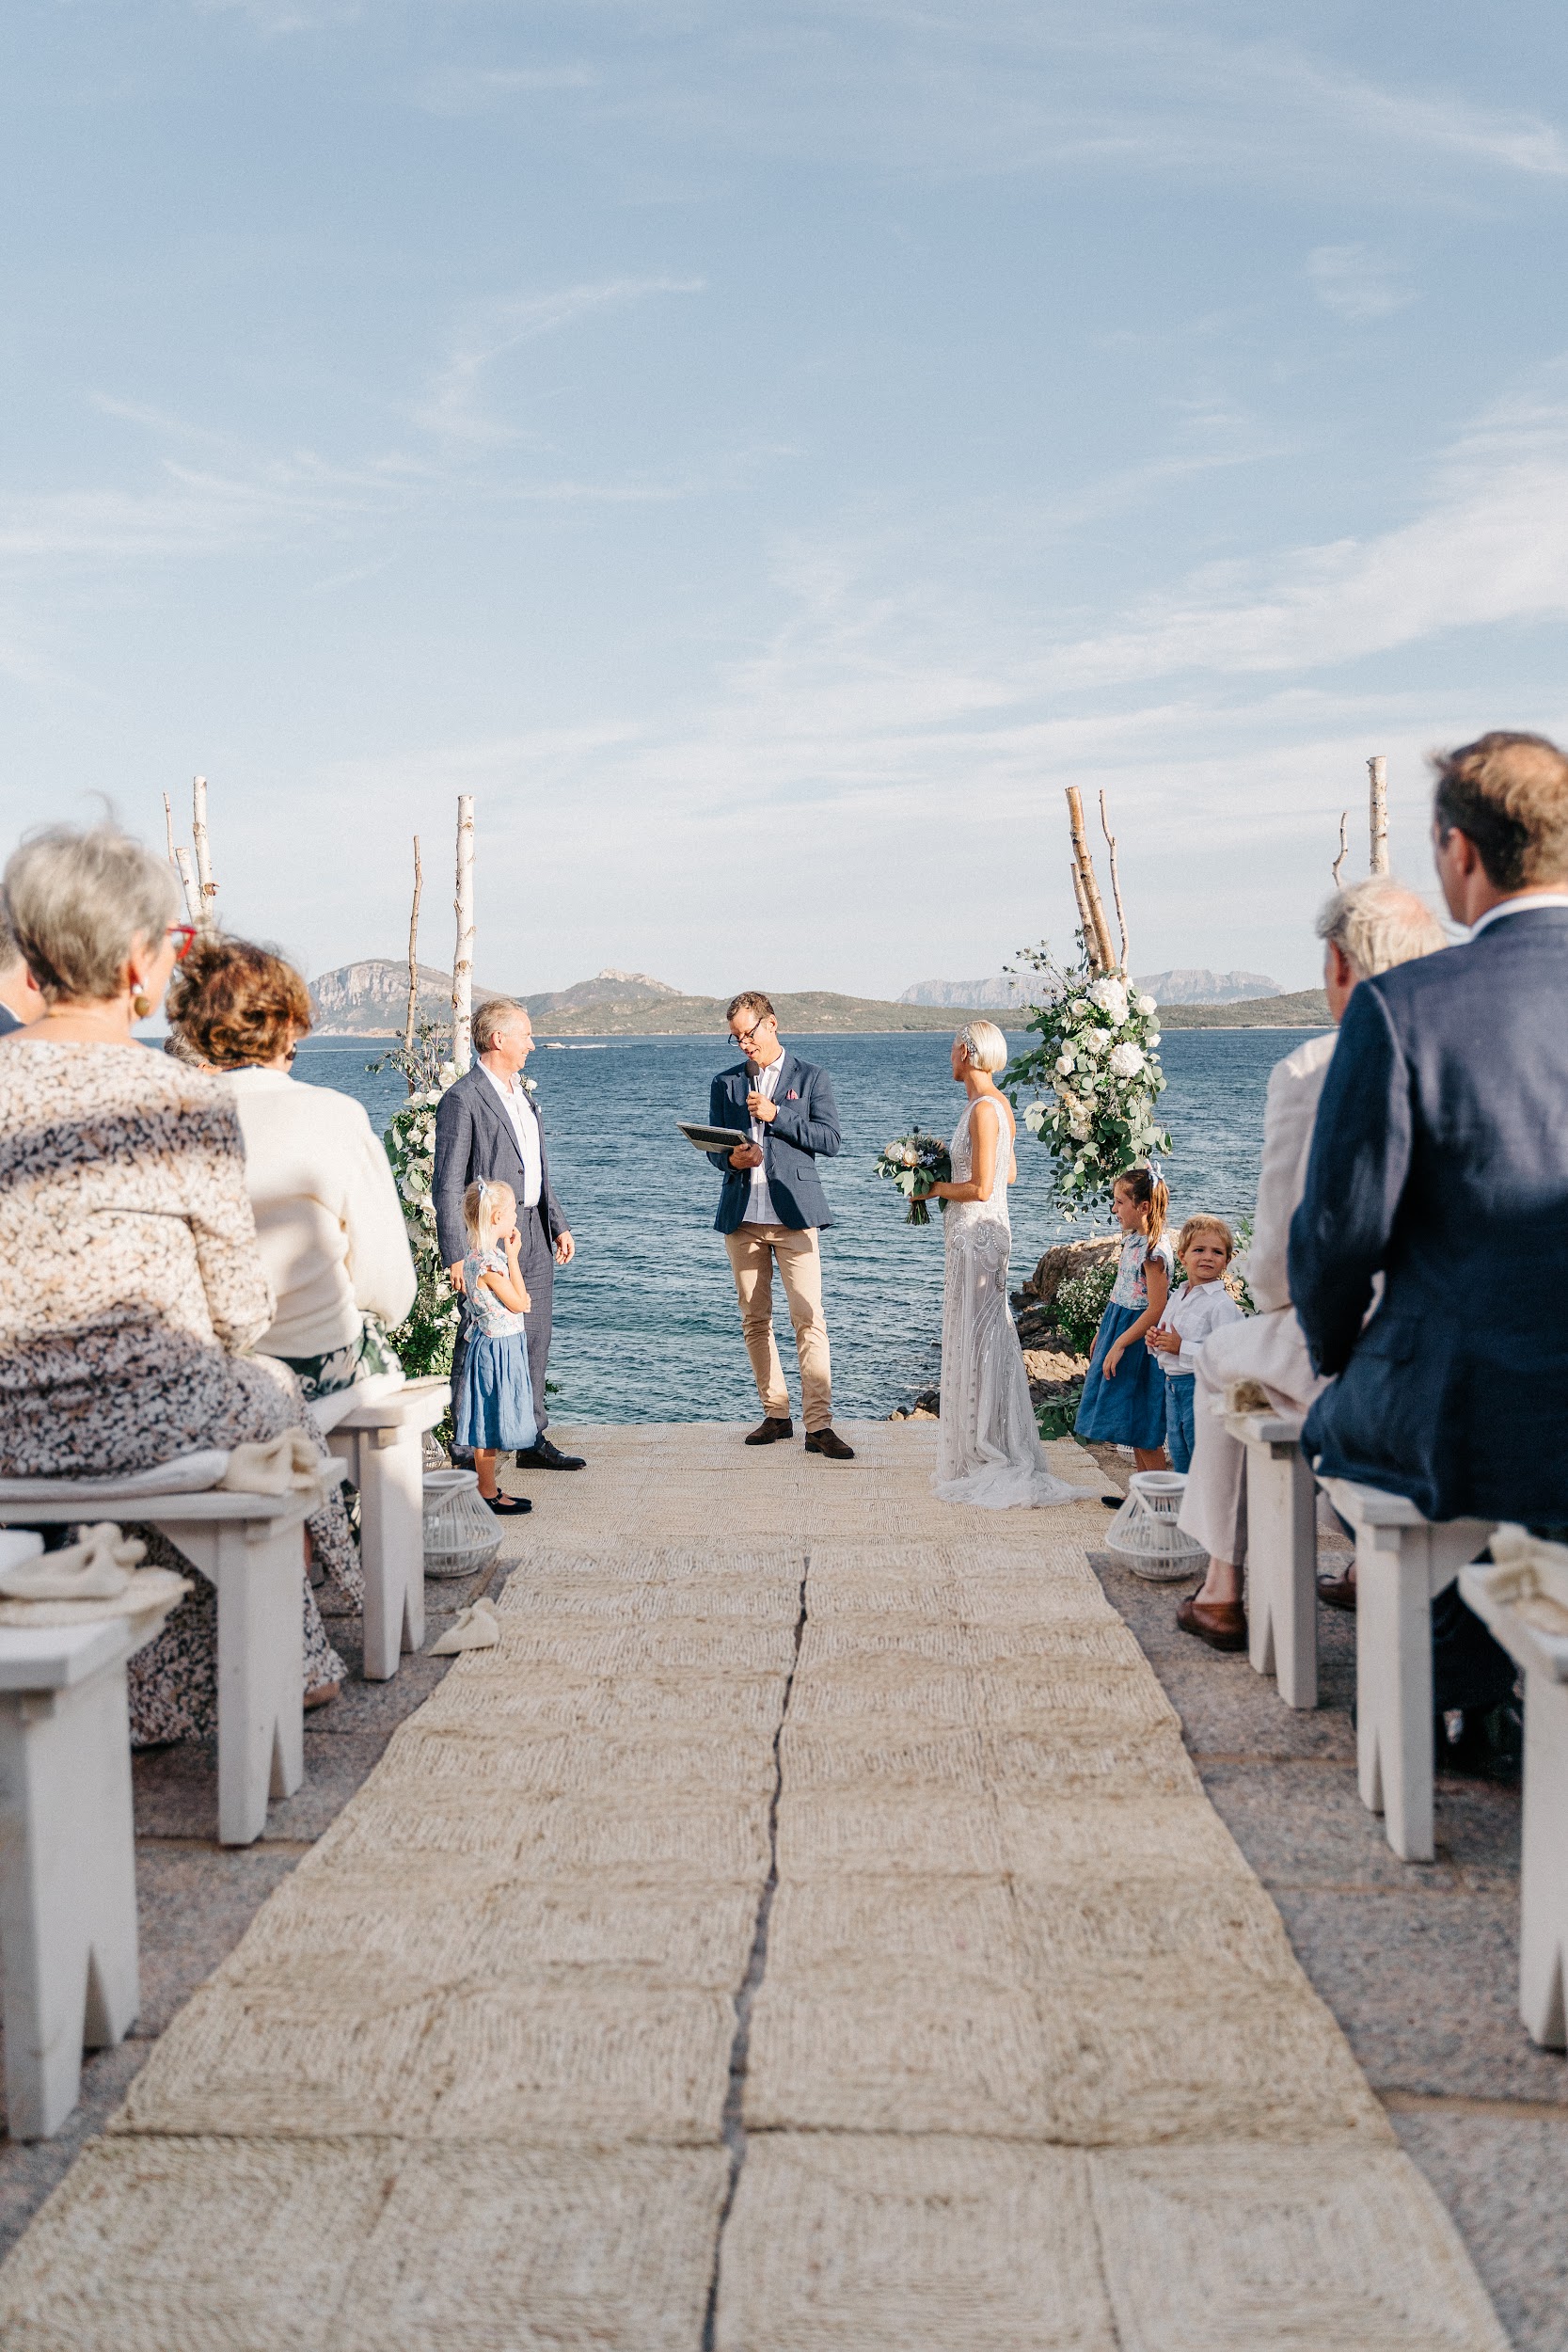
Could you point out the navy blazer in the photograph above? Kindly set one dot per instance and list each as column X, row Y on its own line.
column 475, row 1138
column 1440, row 1159
column 804, row 1129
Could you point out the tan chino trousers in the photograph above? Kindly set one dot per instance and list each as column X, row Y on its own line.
column 752, row 1250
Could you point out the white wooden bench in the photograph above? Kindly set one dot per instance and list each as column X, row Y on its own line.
column 1494, row 1593
column 1403, row 1562
column 380, row 1438
column 1281, row 1554
column 68, row 1881
column 248, row 1547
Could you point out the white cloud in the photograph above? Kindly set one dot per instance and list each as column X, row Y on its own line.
column 1355, row 282
column 452, row 408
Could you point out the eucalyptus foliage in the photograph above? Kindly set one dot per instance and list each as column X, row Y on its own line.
column 1092, row 1081
column 425, row 1340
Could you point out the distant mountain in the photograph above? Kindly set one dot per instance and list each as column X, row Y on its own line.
column 998, row 995
column 1207, row 988
column 368, row 999
column 1303, row 1008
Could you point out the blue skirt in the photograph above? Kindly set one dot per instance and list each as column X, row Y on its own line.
column 1130, row 1410
column 495, row 1407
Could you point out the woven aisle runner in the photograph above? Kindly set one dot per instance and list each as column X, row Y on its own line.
column 804, row 1932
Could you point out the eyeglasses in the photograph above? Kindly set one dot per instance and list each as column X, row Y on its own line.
column 743, row 1037
column 184, row 935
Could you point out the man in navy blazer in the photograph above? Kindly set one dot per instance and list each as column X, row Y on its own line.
column 488, row 1125
column 770, row 1213
column 1440, row 1161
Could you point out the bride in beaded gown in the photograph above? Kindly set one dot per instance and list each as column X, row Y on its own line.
column 988, row 1450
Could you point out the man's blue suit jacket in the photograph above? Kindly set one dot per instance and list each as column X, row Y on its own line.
column 475, row 1138
column 804, row 1130
column 1440, row 1158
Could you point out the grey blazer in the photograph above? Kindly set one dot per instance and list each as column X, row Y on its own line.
column 475, row 1138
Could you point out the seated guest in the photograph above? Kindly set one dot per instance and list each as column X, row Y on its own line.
column 327, row 1217
column 21, row 999
column 1367, row 929
column 1440, row 1162
column 131, row 1284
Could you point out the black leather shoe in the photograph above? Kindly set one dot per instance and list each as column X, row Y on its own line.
column 827, row 1441
column 769, row 1432
column 543, row 1455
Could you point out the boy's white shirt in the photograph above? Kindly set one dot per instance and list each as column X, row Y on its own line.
column 1194, row 1311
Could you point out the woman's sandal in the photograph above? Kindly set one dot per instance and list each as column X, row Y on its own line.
column 507, row 1506
column 322, row 1694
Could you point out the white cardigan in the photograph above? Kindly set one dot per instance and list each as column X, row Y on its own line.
column 327, row 1214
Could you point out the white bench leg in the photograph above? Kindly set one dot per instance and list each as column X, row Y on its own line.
column 258, row 1568
column 1282, row 1565
column 1543, row 1878
column 391, row 1528
column 68, row 1891
column 1393, row 1684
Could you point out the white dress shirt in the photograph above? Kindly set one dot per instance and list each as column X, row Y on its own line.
column 1195, row 1310
column 1526, row 903
column 760, row 1204
column 525, row 1126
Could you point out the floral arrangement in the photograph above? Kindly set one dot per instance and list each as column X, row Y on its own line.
column 1095, row 1078
column 425, row 1340
column 914, row 1164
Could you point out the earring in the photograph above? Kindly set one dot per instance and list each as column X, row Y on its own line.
column 141, row 1004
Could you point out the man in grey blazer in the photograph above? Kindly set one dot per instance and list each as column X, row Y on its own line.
column 488, row 1125
column 770, row 1212
column 1369, row 927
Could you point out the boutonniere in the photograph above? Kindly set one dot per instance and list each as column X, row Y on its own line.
column 529, row 1085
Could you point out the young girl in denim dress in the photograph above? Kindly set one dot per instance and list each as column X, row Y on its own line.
column 1124, row 1389
column 495, row 1408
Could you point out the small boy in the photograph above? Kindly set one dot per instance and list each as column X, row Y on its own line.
column 1205, row 1247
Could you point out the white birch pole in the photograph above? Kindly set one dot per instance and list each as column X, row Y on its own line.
column 1344, row 846
column 463, row 962
column 1116, row 891
column 169, row 828
column 203, row 853
column 189, row 884
column 412, row 962
column 1377, row 770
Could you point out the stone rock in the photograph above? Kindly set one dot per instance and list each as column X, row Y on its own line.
column 1067, row 1258
column 1053, row 1365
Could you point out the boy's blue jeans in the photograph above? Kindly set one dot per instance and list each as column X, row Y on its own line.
column 1180, row 1396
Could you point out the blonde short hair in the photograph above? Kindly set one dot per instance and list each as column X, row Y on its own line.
column 1201, row 1224
column 74, row 902
column 1378, row 923
column 481, row 1208
column 985, row 1047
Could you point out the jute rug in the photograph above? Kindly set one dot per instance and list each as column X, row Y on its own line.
column 805, row 1930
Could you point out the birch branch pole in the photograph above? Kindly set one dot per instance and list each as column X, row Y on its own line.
column 169, row 828
column 413, row 961
column 1344, row 845
column 1100, row 927
column 1085, row 928
column 463, row 962
column 1377, row 770
column 207, row 916
column 190, row 887
column 1115, row 888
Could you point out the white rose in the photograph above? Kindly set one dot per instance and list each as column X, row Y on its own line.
column 1066, row 1064
column 1154, row 1040
column 908, row 1156
column 1092, row 1042
column 1126, row 1060
column 1078, row 1008
column 1110, row 994
column 890, row 1151
column 1147, row 1005
column 1079, row 1128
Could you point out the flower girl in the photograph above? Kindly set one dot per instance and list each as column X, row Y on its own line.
column 1124, row 1389
column 495, row 1408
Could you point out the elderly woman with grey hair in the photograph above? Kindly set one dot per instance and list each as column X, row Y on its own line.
column 131, row 1283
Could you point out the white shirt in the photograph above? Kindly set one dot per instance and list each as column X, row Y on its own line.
column 1195, row 1310
column 1525, row 904
column 525, row 1126
column 760, row 1204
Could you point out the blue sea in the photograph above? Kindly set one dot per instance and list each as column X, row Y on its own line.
column 645, row 1320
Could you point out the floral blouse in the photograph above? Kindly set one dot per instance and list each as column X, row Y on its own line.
column 487, row 1315
column 1131, row 1288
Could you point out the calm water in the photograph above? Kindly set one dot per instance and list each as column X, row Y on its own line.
column 645, row 1320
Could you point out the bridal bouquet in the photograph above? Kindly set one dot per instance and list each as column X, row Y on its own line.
column 914, row 1164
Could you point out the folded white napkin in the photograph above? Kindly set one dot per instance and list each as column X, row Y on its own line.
column 1248, row 1397
column 289, row 1465
column 478, row 1627
column 96, row 1568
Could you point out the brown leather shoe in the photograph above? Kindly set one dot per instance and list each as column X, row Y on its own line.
column 769, row 1432
column 1220, row 1623
column 827, row 1441
column 1338, row 1591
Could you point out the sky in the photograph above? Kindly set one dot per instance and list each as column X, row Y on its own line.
column 765, row 453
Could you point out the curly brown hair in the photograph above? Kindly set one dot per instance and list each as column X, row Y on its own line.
column 235, row 1003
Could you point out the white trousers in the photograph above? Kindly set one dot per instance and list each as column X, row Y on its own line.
column 1271, row 1350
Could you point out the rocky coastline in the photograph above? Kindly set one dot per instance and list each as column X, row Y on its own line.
column 1054, row 1367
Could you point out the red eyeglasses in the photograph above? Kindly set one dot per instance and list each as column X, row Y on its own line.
column 184, row 933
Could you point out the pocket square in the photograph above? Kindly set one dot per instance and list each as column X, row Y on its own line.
column 792, row 1096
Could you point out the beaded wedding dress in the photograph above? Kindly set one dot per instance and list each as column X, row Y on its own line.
column 988, row 1450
